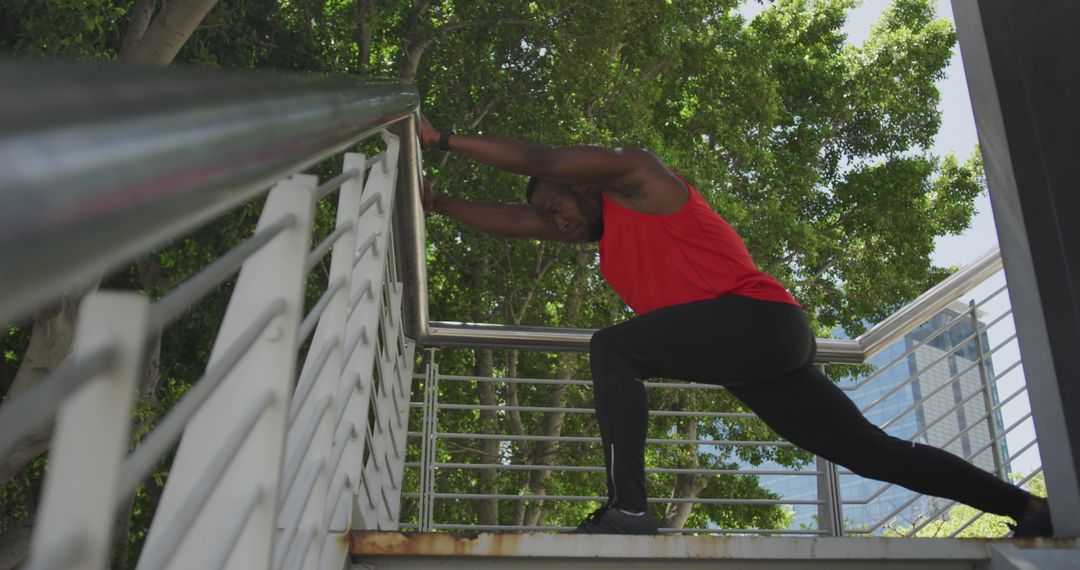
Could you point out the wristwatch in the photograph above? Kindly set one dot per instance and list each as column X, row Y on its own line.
column 444, row 139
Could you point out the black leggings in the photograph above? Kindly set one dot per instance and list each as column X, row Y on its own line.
column 763, row 352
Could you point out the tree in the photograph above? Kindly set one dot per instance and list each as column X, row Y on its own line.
column 816, row 151
column 795, row 137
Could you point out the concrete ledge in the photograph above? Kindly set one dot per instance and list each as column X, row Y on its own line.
column 386, row 550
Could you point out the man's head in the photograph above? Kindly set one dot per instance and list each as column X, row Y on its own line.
column 576, row 209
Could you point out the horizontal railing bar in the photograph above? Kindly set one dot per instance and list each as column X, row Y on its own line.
column 558, row 382
column 324, row 246
column 526, row 528
column 991, row 296
column 289, row 519
column 539, row 381
column 334, row 183
column 307, row 379
column 158, row 554
column 338, row 446
column 169, row 308
column 977, row 335
column 294, row 461
column 374, row 200
column 928, row 304
column 588, row 439
column 237, row 521
column 22, row 415
column 60, row 553
column 955, row 378
column 483, row 335
column 1014, row 455
column 360, row 293
column 961, row 317
column 651, row 500
column 334, row 496
column 948, row 382
column 312, row 318
column 972, row 421
column 140, row 461
column 598, row 468
column 299, row 547
column 545, row 409
column 918, row 374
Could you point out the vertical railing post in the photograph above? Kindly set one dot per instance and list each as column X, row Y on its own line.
column 272, row 276
column 427, row 442
column 988, row 402
column 316, row 408
column 91, row 438
column 433, row 451
column 831, row 508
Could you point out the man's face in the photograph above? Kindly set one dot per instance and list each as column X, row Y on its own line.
column 576, row 210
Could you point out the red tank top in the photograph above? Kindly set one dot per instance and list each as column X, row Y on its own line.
column 654, row 262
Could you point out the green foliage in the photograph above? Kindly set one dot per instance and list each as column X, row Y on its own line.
column 815, row 150
column 81, row 29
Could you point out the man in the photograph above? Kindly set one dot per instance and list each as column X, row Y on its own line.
column 705, row 313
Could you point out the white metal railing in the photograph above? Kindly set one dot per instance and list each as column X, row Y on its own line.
column 272, row 468
column 938, row 383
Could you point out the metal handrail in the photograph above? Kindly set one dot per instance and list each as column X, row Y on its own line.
column 104, row 162
column 487, row 335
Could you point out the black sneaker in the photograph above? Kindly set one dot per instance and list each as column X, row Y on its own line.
column 1036, row 524
column 606, row 520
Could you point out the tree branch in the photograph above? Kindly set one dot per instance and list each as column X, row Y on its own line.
column 141, row 14
column 169, row 31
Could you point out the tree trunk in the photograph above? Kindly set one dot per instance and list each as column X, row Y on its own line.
column 140, row 21
column 686, row 486
column 15, row 544
column 417, row 39
column 169, row 31
column 547, row 452
column 487, row 510
column 365, row 23
column 50, row 344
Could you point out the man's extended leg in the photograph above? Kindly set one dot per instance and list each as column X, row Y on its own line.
column 763, row 353
column 725, row 340
column 809, row 410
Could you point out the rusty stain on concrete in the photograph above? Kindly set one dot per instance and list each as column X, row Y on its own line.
column 368, row 544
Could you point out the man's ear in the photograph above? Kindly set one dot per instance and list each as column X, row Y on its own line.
column 583, row 190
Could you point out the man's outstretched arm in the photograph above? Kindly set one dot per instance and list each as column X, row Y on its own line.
column 497, row 219
column 625, row 170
